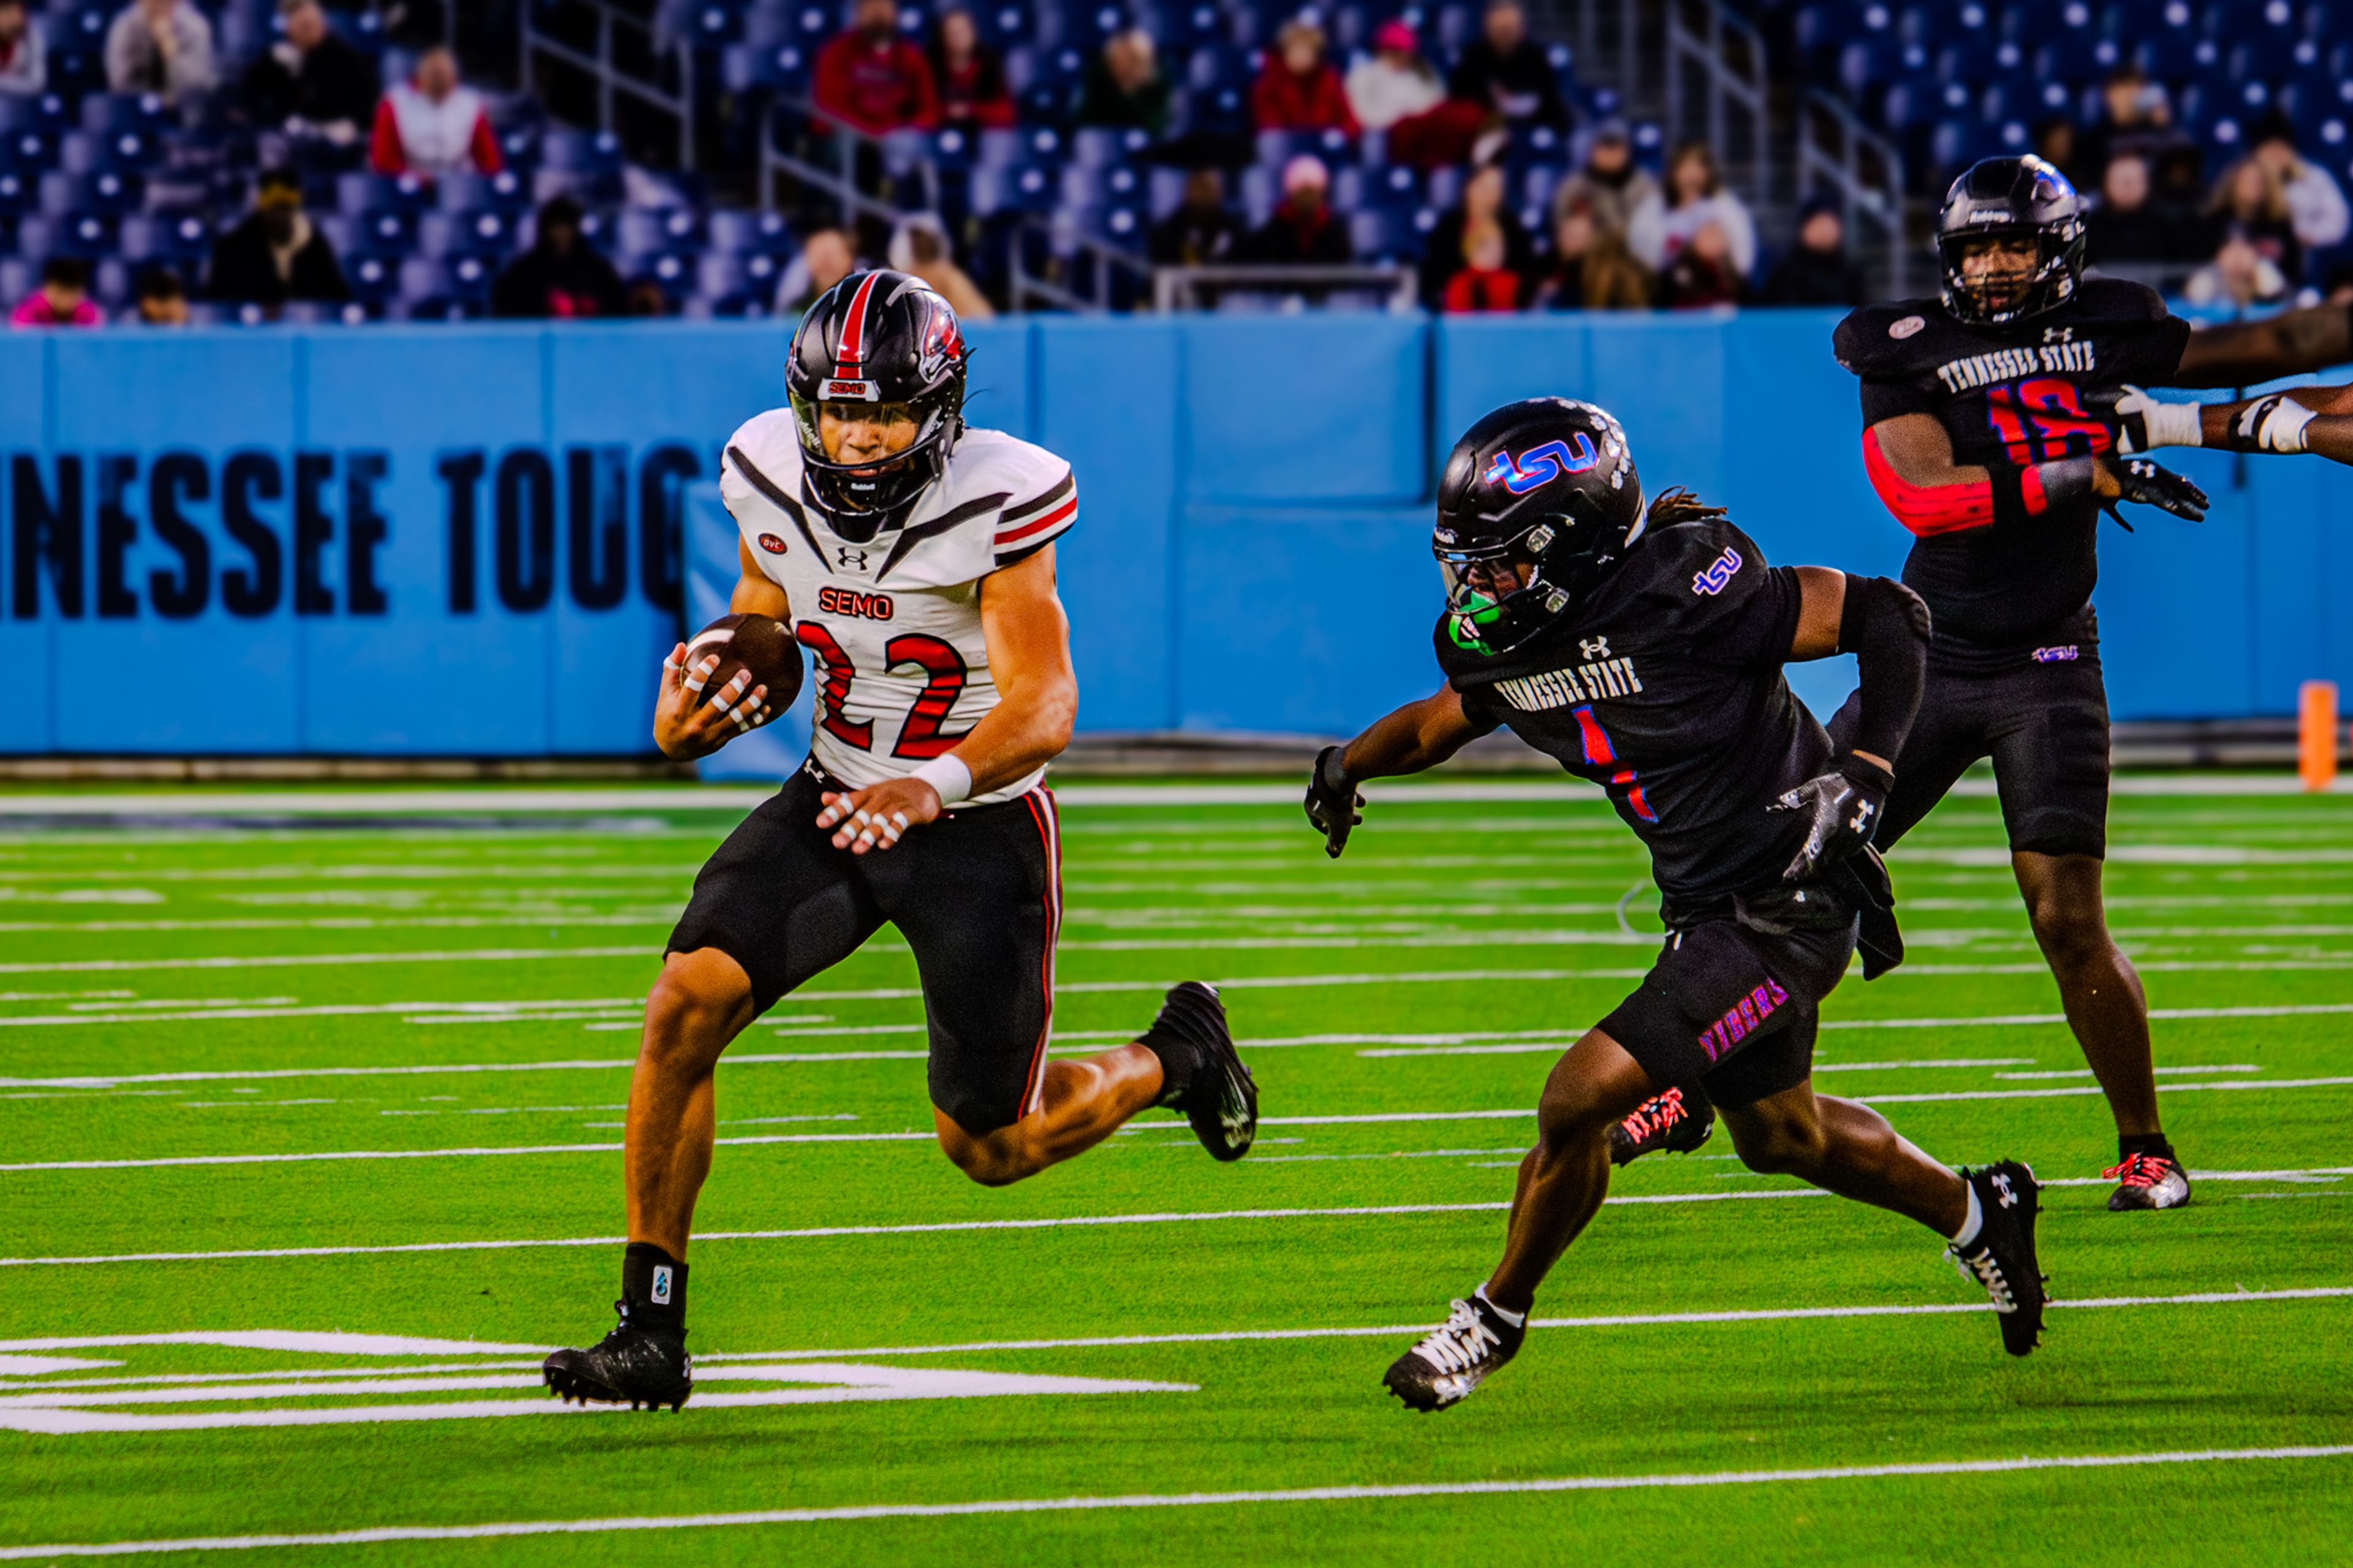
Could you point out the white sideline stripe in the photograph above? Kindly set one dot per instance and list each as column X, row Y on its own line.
column 298, row 1341
column 2283, row 1011
column 931, row 1227
column 712, row 797
column 1621, row 1320
column 323, row 960
column 1183, row 1500
column 2085, row 1088
column 2169, row 1088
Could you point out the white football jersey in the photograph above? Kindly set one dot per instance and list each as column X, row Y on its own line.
column 892, row 625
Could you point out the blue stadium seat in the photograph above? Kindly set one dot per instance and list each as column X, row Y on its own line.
column 1096, row 146
column 734, row 232
column 450, row 234
column 572, row 151
column 504, row 192
column 18, row 192
column 105, row 191
column 1022, row 187
column 373, row 275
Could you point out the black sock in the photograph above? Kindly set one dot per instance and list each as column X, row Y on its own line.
column 1182, row 1037
column 2131, row 1143
column 653, row 1286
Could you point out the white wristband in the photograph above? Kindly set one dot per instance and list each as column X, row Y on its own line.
column 2173, row 423
column 948, row 776
column 2282, row 427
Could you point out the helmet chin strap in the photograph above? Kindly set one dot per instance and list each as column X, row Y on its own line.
column 1641, row 516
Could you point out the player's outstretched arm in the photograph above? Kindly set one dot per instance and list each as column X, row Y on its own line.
column 1037, row 704
column 1417, row 737
column 2294, row 343
column 2317, row 420
column 1910, row 460
column 1885, row 625
column 691, row 722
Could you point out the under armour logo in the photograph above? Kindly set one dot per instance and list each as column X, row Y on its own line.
column 853, row 560
column 1860, row 825
column 1592, row 648
column 2001, row 1186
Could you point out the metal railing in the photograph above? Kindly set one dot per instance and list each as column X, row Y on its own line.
column 1836, row 152
column 1712, row 63
column 640, row 38
column 1179, row 288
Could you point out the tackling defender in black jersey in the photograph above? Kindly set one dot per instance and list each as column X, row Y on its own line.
column 1643, row 647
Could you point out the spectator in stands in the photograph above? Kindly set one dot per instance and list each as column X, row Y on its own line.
column 277, row 254
column 1505, row 71
column 1485, row 282
column 1303, row 229
column 430, row 125
column 1299, row 90
column 164, row 47
column 1818, row 271
column 2136, row 116
column 872, row 80
column 645, row 297
column 968, row 75
column 1701, row 274
column 920, row 248
column 1609, row 184
column 2250, row 203
column 24, row 59
column 1483, row 206
column 2056, row 143
column 311, row 82
column 1123, row 89
column 1203, row 232
column 161, row 299
column 560, row 276
column 2127, row 226
column 2316, row 203
column 828, row 255
column 62, row 299
column 1591, row 268
column 1393, row 82
column 2239, row 275
column 1695, row 199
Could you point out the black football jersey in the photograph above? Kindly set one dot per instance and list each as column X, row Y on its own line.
column 2011, row 394
column 1666, row 691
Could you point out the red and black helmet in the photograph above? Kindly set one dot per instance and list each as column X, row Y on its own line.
column 879, row 339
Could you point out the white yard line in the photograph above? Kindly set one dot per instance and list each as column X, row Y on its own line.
column 1360, row 1494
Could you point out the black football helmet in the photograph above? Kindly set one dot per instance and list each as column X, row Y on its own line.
column 2012, row 198
column 879, row 339
column 1537, row 502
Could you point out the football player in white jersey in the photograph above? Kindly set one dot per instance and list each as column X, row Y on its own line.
column 914, row 560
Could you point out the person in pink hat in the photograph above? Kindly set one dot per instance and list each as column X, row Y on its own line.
column 1393, row 82
column 62, row 299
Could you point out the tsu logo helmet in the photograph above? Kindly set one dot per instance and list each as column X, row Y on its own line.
column 2011, row 198
column 878, row 339
column 1537, row 502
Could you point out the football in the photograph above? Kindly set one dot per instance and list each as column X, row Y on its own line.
column 758, row 643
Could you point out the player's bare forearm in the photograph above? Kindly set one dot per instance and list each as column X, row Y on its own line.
column 1036, row 691
column 757, row 593
column 2294, row 342
column 1414, row 738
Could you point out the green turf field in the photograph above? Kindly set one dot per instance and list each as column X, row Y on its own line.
column 892, row 1361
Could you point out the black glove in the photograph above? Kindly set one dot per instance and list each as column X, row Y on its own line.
column 1333, row 806
column 1844, row 805
column 2139, row 480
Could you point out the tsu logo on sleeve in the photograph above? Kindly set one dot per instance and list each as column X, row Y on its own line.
column 1717, row 575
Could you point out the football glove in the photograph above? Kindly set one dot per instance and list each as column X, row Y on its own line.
column 2139, row 480
column 1842, row 809
column 2143, row 421
column 1333, row 806
column 2274, row 423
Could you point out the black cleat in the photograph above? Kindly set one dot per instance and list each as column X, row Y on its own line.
column 2148, row 1181
column 1221, row 1099
column 632, row 1366
column 2001, row 1258
column 1454, row 1358
column 1665, row 1121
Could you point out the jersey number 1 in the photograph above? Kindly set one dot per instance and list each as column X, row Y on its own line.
column 919, row 736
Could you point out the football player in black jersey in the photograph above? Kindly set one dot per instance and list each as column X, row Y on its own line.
column 1643, row 647
column 1991, row 420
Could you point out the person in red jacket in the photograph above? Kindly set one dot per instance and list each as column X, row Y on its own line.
column 1299, row 90
column 969, row 75
column 431, row 125
column 873, row 80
